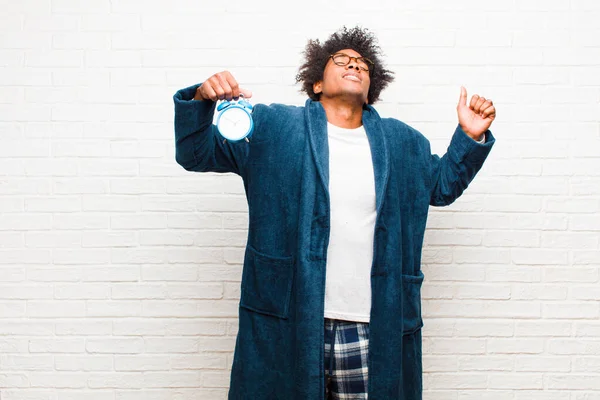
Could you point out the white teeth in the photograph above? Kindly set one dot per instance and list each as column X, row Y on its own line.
column 352, row 78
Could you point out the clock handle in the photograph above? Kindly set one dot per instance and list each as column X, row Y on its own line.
column 243, row 102
column 223, row 105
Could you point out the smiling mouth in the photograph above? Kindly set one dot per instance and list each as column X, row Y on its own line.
column 351, row 77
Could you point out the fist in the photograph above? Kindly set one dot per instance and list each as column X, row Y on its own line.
column 476, row 117
column 221, row 86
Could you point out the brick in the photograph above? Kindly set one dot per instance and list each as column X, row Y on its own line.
column 137, row 186
column 121, row 380
column 138, row 221
column 195, row 291
column 139, row 327
column 54, row 273
column 193, row 327
column 460, row 381
column 573, row 382
column 171, row 379
column 482, row 292
column 81, row 256
column 166, row 238
column 88, row 363
column 514, row 346
column 571, row 274
column 14, row 362
column 489, row 309
column 119, row 308
column 454, row 346
column 25, row 292
column 571, row 310
column 113, row 273
column 542, row 328
column 587, row 365
column 116, row 345
column 139, row 292
column 574, row 347
column 22, row 256
column 79, row 291
column 485, row 363
column 12, row 239
column 540, row 221
column 203, row 362
column 539, row 292
column 21, row 148
column 511, row 238
column 448, row 238
column 25, row 222
column 142, row 363
column 80, row 186
column 522, row 273
column 56, row 345
column 481, row 255
column 170, row 345
column 591, row 329
column 571, row 205
column 109, row 239
column 455, row 273
column 87, row 327
column 180, row 272
column 516, row 381
column 539, row 257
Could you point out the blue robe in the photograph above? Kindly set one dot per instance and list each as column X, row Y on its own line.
column 280, row 342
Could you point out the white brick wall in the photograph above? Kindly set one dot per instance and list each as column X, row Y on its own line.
column 119, row 271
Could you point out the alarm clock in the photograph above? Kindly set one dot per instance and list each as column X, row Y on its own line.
column 234, row 121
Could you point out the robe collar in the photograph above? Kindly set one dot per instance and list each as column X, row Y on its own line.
column 317, row 131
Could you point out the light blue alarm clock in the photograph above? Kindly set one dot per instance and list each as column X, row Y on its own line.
column 234, row 120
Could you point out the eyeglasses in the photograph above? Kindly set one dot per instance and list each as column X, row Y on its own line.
column 343, row 59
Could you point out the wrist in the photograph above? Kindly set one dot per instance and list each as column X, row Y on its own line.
column 478, row 137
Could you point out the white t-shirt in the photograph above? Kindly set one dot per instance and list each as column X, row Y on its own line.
column 353, row 214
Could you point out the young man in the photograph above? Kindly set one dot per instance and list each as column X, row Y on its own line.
column 338, row 198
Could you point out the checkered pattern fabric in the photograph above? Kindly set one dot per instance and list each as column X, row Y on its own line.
column 346, row 351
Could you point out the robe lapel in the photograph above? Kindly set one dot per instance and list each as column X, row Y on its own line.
column 319, row 145
column 379, row 153
column 317, row 131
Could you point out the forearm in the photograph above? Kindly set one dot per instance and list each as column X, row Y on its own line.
column 452, row 173
column 198, row 145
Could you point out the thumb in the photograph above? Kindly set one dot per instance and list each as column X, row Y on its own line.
column 462, row 100
column 246, row 93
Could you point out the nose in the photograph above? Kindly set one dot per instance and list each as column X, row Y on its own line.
column 353, row 64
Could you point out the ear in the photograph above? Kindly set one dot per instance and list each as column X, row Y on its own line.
column 318, row 87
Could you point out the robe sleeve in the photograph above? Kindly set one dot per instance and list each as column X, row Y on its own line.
column 452, row 173
column 198, row 145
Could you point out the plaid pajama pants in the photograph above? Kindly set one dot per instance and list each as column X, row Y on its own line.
column 346, row 351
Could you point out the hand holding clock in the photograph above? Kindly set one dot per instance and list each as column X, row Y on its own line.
column 221, row 86
column 234, row 114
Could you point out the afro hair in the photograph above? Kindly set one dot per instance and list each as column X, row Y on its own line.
column 358, row 39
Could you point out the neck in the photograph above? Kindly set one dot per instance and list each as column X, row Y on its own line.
column 342, row 113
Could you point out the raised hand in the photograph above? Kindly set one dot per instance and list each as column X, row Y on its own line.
column 476, row 117
column 221, row 86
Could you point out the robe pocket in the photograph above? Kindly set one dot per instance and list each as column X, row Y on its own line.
column 261, row 151
column 267, row 283
column 411, row 289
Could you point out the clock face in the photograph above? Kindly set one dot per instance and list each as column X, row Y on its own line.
column 234, row 123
